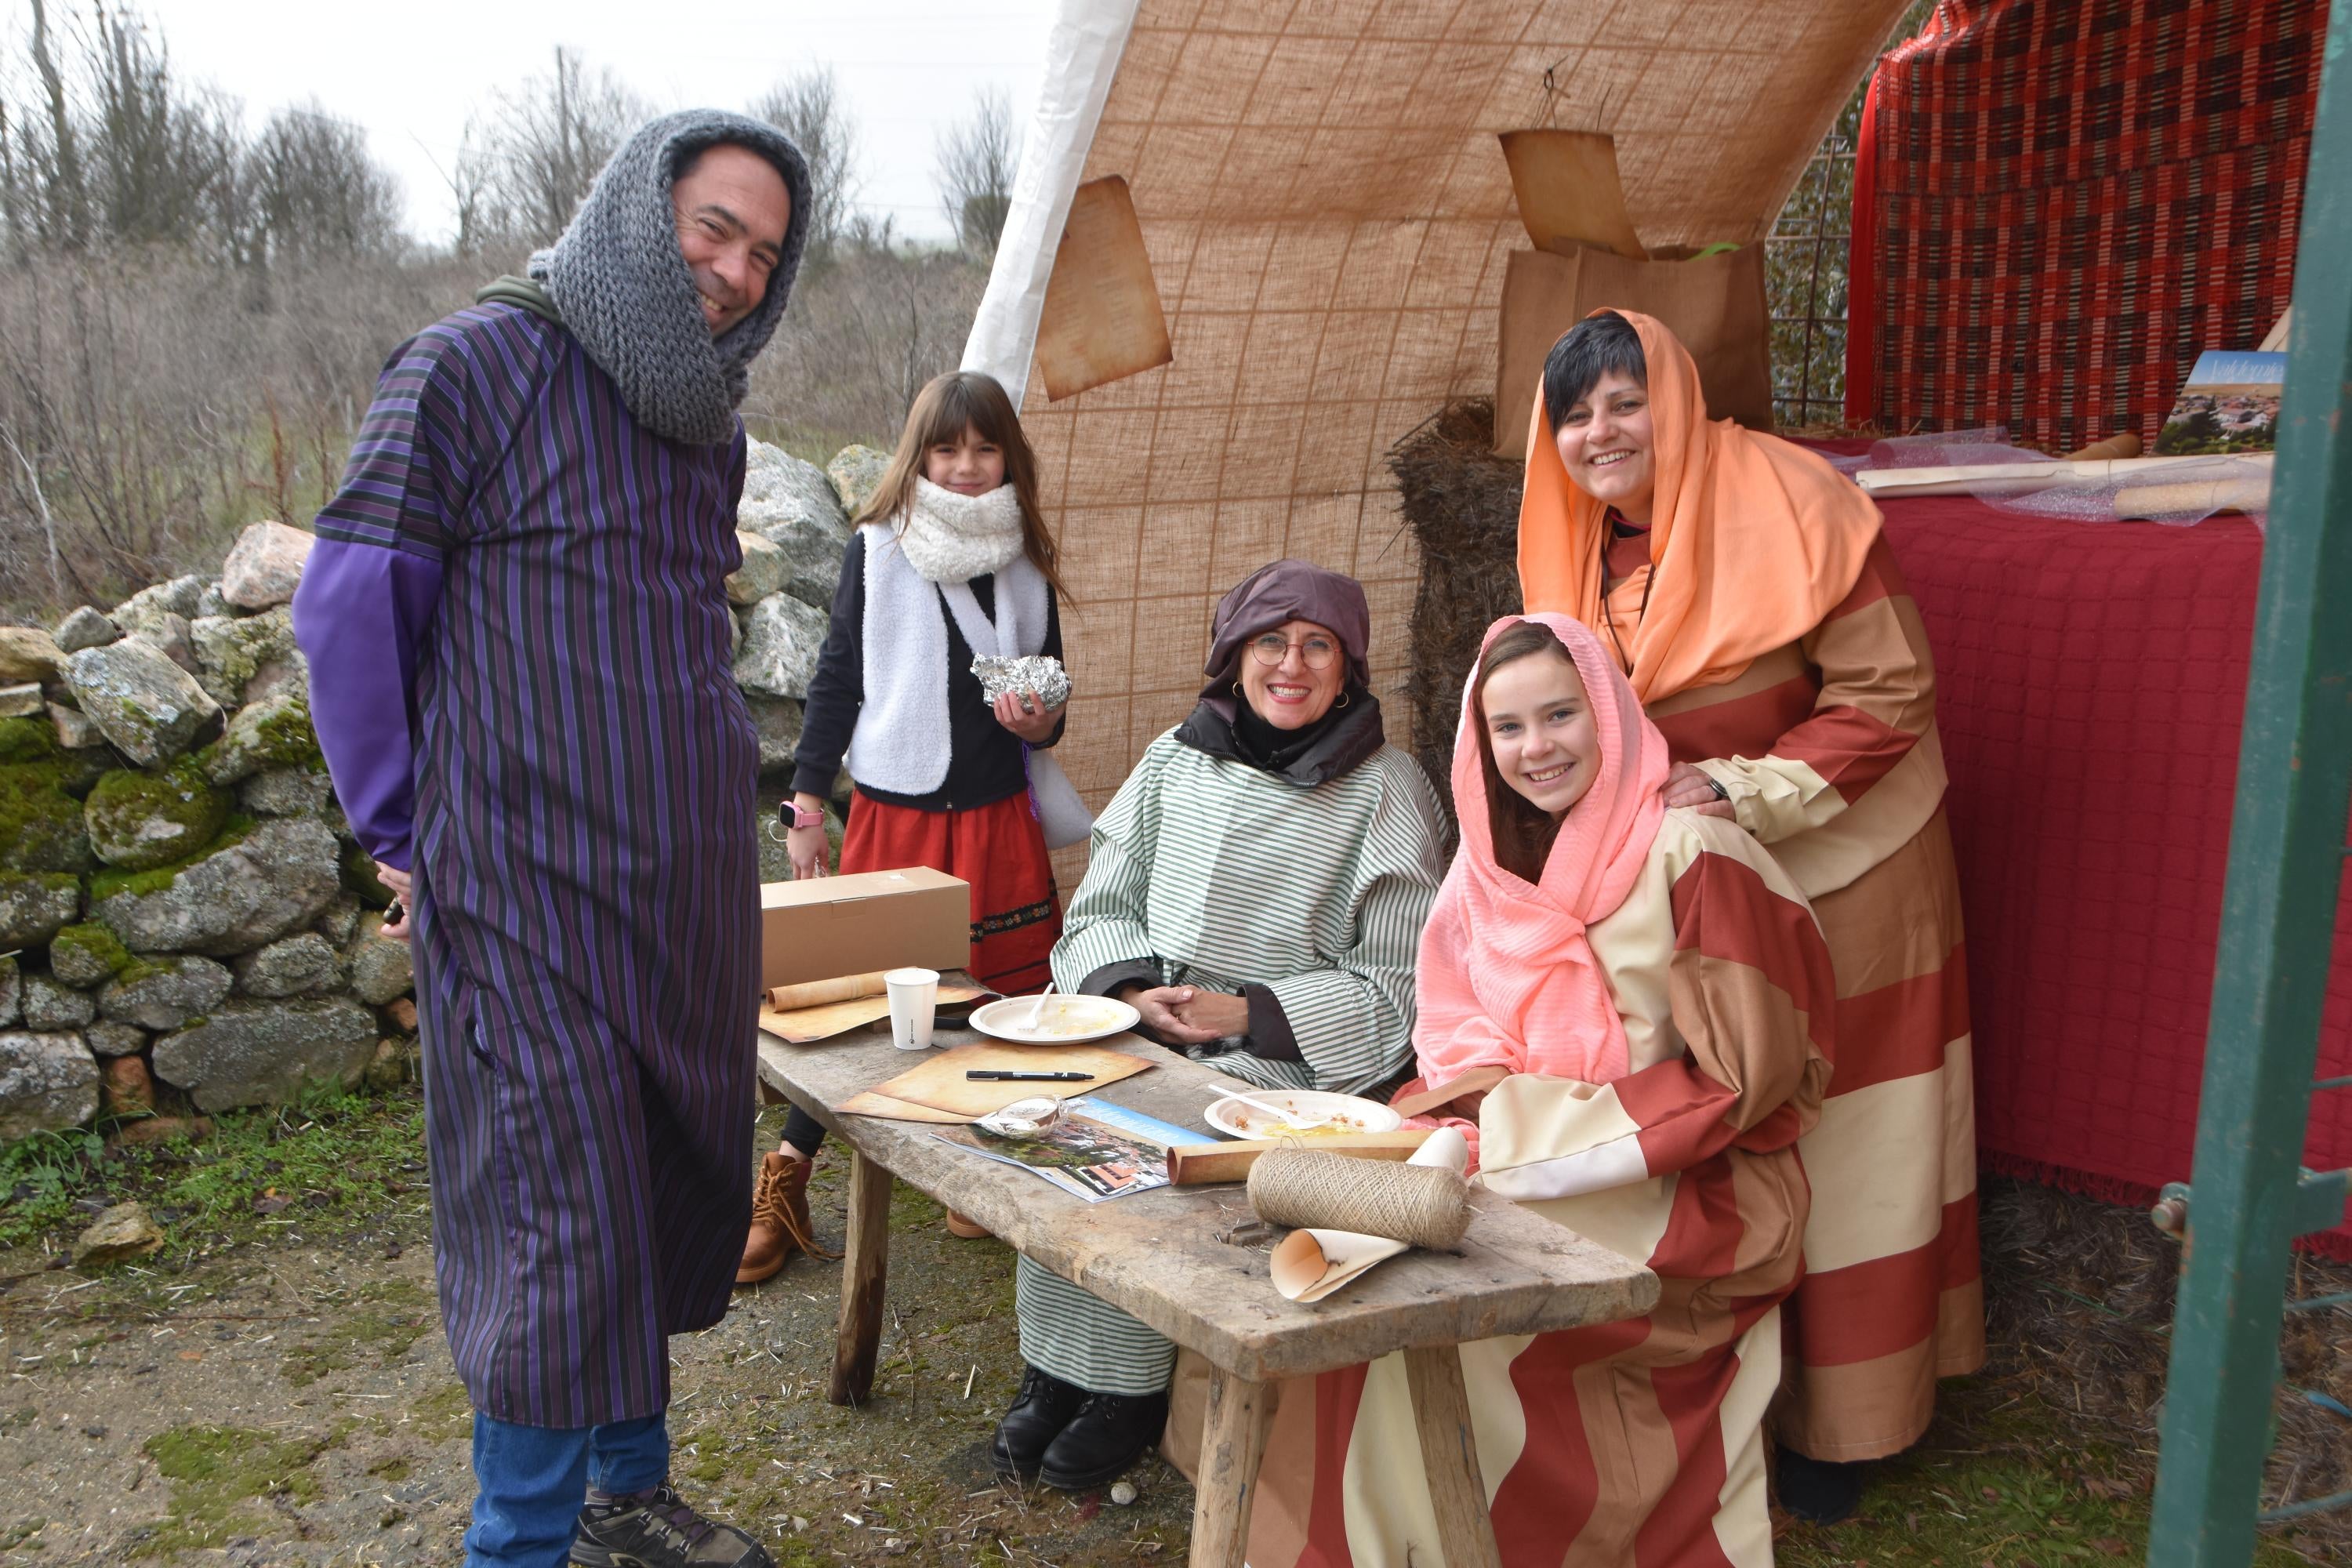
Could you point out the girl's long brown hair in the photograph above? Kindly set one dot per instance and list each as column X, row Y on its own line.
column 1522, row 832
column 943, row 410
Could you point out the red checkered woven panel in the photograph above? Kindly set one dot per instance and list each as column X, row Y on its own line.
column 2060, row 205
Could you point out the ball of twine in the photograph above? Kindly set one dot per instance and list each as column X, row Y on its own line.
column 1427, row 1205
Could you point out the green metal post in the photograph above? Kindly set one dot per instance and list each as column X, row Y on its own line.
column 2286, row 861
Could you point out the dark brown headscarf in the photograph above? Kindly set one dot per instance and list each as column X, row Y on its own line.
column 1225, row 726
column 1283, row 591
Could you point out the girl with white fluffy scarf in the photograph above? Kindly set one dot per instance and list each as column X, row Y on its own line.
column 949, row 559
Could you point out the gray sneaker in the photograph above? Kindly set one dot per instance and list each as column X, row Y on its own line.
column 656, row 1530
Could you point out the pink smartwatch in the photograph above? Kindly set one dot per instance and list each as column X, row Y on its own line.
column 805, row 816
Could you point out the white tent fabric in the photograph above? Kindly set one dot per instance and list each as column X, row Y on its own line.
column 1329, row 217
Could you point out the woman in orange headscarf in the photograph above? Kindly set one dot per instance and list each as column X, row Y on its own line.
column 1746, row 590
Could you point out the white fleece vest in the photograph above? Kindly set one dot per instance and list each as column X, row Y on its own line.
column 901, row 743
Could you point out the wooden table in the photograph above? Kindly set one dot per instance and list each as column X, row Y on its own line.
column 1158, row 1256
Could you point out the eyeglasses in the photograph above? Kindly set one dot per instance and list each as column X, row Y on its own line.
column 1316, row 652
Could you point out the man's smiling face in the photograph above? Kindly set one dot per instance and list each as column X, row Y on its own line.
column 732, row 211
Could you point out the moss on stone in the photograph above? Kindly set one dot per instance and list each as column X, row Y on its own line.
column 143, row 968
column 287, row 737
column 40, row 824
column 99, row 944
column 27, row 740
column 124, row 800
column 106, row 884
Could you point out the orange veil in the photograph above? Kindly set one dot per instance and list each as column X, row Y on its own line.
column 1752, row 541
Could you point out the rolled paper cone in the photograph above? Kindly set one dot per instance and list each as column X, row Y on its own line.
column 824, row 993
column 2122, row 444
column 2204, row 497
column 1305, row 1189
column 1445, row 1148
column 1311, row 1264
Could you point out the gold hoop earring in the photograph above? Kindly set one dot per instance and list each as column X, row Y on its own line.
column 1343, row 700
column 1237, row 689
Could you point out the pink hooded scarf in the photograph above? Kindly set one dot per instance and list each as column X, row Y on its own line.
column 1506, row 978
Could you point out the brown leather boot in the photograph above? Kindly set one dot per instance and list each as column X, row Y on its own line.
column 779, row 1219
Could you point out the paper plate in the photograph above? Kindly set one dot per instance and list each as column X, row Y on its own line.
column 1066, row 1020
column 1351, row 1113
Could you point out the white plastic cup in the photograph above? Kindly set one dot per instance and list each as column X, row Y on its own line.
column 914, row 1007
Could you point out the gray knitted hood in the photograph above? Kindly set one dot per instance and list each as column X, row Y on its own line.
column 626, row 293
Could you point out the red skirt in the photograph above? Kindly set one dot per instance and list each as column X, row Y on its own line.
column 999, row 849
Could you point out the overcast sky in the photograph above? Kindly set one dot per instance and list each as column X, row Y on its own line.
column 411, row 71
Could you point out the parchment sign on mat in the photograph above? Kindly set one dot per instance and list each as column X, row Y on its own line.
column 936, row 1088
column 1101, row 318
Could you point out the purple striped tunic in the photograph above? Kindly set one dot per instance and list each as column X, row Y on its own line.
column 520, row 674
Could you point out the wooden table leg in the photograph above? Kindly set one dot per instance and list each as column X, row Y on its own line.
column 858, row 1339
column 1233, row 1442
column 1449, row 1455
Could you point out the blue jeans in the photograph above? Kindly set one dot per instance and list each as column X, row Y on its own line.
column 530, row 1482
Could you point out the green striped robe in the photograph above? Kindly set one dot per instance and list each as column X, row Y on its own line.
column 1222, row 875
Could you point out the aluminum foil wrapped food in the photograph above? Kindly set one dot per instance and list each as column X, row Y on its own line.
column 1034, row 672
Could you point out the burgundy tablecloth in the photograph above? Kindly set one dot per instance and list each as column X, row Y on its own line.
column 2091, row 680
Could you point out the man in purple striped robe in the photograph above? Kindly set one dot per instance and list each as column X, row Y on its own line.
column 519, row 673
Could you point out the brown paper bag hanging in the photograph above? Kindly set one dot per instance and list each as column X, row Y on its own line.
column 1714, row 303
column 1101, row 319
column 1569, row 191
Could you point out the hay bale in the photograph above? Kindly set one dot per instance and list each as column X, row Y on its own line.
column 1462, row 503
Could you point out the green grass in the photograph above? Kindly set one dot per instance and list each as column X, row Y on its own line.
column 2006, row 1484
column 216, row 1471
column 443, row 1414
column 336, row 1156
column 379, row 1324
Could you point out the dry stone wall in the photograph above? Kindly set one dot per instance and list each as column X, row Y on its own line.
column 186, row 924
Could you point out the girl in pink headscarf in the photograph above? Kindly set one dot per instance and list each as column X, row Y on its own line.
column 1626, row 1009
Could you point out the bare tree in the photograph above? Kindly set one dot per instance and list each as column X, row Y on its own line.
column 160, row 155
column 56, row 201
column 808, row 108
column 111, row 146
column 314, row 189
column 532, row 162
column 974, row 170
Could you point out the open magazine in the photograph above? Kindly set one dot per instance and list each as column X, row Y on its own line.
column 1095, row 1151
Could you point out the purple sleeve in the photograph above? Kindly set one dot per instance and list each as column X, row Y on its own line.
column 361, row 615
column 364, row 610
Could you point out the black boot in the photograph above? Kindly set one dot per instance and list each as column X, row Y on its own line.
column 1820, row 1491
column 1042, row 1407
column 1107, row 1434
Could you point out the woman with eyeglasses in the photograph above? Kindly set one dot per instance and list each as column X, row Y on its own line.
column 1257, row 889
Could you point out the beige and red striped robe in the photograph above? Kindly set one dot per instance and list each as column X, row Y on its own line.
column 1638, row 1443
column 1829, row 751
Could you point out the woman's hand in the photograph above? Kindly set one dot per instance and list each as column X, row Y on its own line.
column 1159, row 1006
column 1687, row 785
column 1220, row 1014
column 403, row 895
column 808, row 846
column 1022, row 713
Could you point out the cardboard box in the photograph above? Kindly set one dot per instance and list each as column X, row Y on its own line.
column 873, row 919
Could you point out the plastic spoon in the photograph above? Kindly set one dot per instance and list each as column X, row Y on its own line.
column 1291, row 1119
column 1038, row 1008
